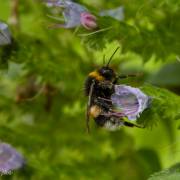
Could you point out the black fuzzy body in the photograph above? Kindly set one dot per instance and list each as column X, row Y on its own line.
column 102, row 89
column 101, row 94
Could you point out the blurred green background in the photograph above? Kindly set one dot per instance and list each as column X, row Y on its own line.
column 42, row 105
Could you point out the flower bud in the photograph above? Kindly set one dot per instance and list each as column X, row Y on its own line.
column 88, row 21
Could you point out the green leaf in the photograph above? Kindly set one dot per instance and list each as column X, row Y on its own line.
column 172, row 173
column 165, row 106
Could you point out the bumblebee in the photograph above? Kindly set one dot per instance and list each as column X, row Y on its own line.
column 99, row 86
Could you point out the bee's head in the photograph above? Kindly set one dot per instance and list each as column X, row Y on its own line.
column 107, row 72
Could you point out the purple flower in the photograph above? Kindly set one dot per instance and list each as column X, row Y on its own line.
column 88, row 20
column 76, row 14
column 51, row 3
column 5, row 35
column 10, row 159
column 71, row 12
column 129, row 101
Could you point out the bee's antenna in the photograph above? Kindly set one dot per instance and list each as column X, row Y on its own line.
column 112, row 56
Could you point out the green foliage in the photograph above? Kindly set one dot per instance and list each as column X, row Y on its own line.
column 171, row 71
column 42, row 106
column 165, row 106
column 149, row 28
column 167, row 174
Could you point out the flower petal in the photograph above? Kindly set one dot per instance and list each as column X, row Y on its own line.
column 10, row 159
column 5, row 35
column 71, row 12
column 117, row 13
column 130, row 101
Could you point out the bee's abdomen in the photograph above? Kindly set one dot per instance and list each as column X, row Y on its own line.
column 101, row 120
column 95, row 111
column 109, row 123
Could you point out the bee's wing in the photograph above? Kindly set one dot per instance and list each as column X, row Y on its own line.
column 88, row 106
column 129, row 101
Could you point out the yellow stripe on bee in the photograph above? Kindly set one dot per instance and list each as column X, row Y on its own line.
column 96, row 75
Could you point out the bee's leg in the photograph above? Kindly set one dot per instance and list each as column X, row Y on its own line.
column 105, row 99
column 126, row 76
column 88, row 106
column 105, row 85
column 103, row 103
column 132, row 125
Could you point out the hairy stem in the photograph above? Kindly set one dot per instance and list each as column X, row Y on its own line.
column 14, row 17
